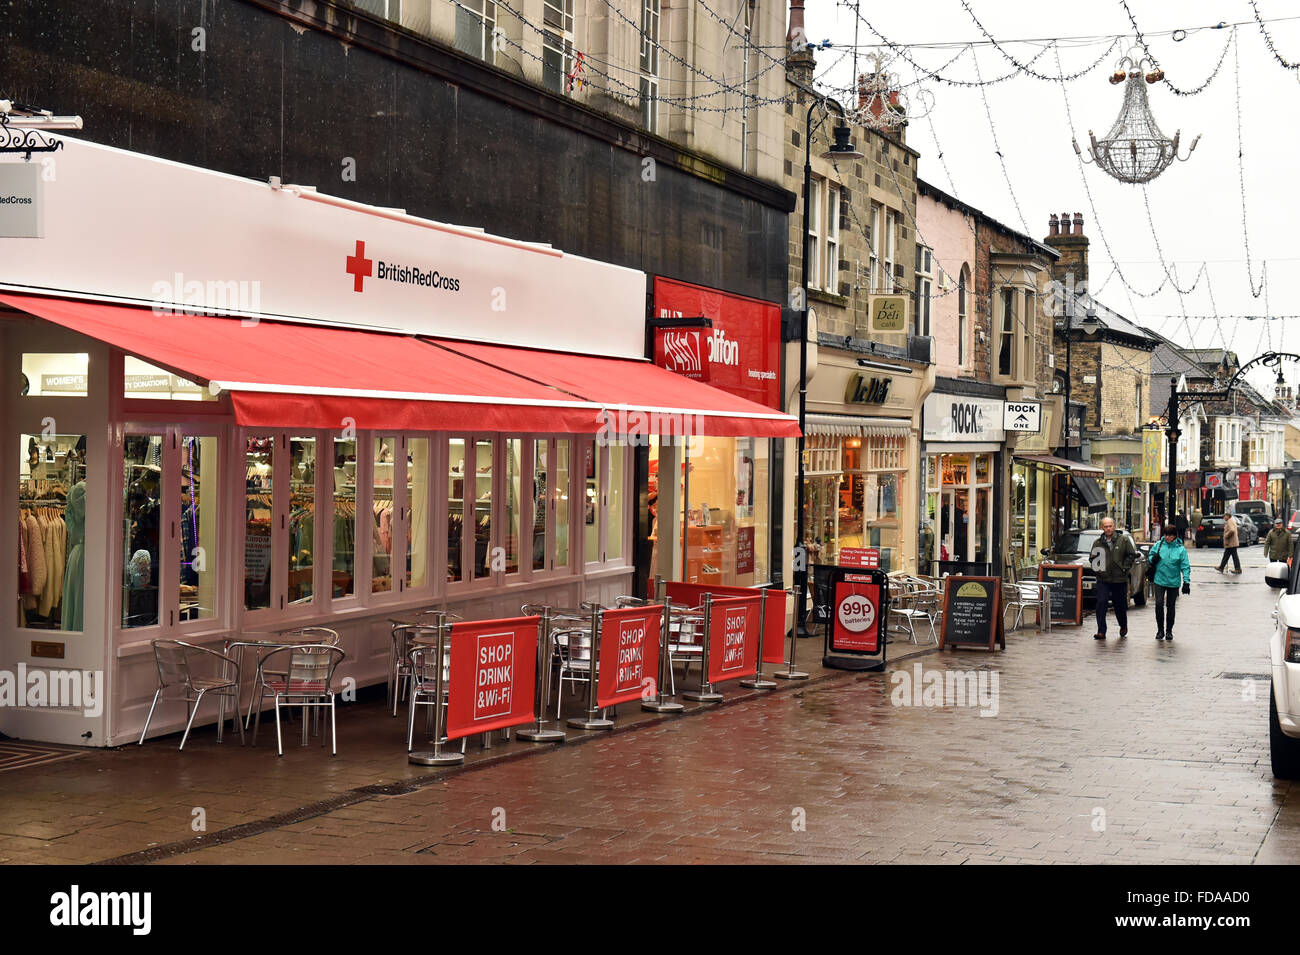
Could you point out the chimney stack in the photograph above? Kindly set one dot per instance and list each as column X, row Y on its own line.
column 1065, row 234
column 801, row 64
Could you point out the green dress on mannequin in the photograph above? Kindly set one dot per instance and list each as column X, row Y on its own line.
column 74, row 598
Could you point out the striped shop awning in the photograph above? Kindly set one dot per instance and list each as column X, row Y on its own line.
column 857, row 426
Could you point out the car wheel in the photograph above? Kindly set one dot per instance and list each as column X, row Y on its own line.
column 1283, row 751
column 1139, row 598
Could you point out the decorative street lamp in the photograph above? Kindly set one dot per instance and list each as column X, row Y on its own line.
column 842, row 148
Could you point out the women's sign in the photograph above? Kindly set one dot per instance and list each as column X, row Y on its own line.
column 629, row 654
column 493, row 673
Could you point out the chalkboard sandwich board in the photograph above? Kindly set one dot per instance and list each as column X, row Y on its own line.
column 972, row 612
column 1066, row 593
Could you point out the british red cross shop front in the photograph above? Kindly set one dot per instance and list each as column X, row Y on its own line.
column 283, row 409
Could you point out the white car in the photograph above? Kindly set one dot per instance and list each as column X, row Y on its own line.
column 1284, row 659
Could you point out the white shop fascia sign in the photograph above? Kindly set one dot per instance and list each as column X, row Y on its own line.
column 962, row 418
column 121, row 226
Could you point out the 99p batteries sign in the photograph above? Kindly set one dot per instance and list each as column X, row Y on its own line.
column 855, row 617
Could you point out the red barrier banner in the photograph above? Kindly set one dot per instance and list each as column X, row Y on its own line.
column 734, row 630
column 773, row 621
column 493, row 675
column 629, row 654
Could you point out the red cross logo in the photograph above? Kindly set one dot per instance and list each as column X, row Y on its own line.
column 359, row 266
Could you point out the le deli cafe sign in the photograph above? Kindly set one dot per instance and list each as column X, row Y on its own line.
column 863, row 390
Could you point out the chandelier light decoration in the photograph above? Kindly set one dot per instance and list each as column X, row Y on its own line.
column 1135, row 150
column 883, row 100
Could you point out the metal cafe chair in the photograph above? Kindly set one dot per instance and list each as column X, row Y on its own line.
column 685, row 640
column 424, row 682
column 1022, row 594
column 306, row 681
column 399, row 662
column 573, row 650
column 300, row 635
column 911, row 601
column 176, row 670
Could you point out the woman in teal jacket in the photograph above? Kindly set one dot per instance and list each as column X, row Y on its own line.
column 1169, row 557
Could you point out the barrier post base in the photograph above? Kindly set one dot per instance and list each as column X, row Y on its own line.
column 592, row 721
column 662, row 706
column 539, row 734
column 703, row 695
column 790, row 675
column 435, row 758
column 758, row 683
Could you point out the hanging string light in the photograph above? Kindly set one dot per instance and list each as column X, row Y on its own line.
column 1135, row 150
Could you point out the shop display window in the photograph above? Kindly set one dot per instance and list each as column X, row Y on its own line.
column 456, row 459
column 484, row 453
column 142, row 491
column 56, row 374
column 727, row 514
column 959, row 510
column 613, row 505
column 386, row 448
column 563, row 513
column 259, row 509
column 514, row 450
column 593, row 486
column 200, row 508
column 302, row 519
column 52, row 531
column 344, row 535
column 418, row 464
column 540, row 506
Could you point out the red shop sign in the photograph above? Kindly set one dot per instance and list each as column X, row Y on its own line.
column 734, row 633
column 629, row 654
column 855, row 623
column 684, row 351
column 493, row 675
column 742, row 350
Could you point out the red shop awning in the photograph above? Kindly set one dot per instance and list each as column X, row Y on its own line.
column 670, row 403
column 280, row 374
column 286, row 375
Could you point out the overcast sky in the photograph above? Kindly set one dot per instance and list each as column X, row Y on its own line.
column 1196, row 205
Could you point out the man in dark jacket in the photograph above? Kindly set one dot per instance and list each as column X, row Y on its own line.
column 1112, row 559
column 1277, row 545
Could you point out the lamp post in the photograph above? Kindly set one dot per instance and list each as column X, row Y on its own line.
column 841, row 149
column 1087, row 326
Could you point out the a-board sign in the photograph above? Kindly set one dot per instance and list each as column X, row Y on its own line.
column 972, row 612
column 1066, row 595
column 855, row 619
column 851, row 607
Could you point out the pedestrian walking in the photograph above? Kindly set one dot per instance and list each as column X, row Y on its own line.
column 1277, row 545
column 1180, row 525
column 1170, row 570
column 1112, row 559
column 1195, row 524
column 1230, row 542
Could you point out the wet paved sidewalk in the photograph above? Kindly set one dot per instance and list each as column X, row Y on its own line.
column 1122, row 751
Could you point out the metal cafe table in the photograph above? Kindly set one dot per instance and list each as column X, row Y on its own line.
column 267, row 640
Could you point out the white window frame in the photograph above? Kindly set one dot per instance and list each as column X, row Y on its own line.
column 814, row 238
column 924, row 288
column 557, row 38
column 874, row 278
column 963, row 319
column 832, row 283
column 650, row 22
column 486, row 15
column 891, row 220
column 1007, row 339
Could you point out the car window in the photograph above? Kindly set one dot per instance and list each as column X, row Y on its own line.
column 1076, row 542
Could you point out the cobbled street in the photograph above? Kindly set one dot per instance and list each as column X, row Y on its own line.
column 1124, row 751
